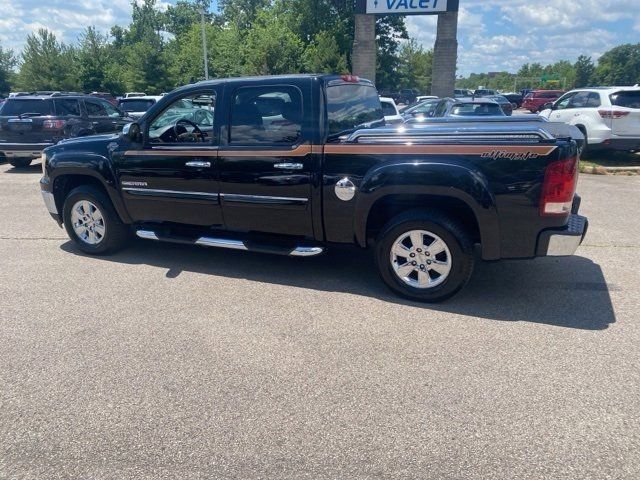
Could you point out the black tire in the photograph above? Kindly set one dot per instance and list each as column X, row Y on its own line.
column 116, row 232
column 583, row 148
column 21, row 162
column 455, row 236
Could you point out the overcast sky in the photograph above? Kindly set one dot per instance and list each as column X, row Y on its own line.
column 493, row 35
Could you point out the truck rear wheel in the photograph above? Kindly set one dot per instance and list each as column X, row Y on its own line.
column 92, row 222
column 424, row 255
column 20, row 162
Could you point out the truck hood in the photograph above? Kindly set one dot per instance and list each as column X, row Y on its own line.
column 105, row 138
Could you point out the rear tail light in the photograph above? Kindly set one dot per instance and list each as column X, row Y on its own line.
column 53, row 124
column 612, row 113
column 559, row 187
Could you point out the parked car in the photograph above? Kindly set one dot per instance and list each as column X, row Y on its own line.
column 105, row 96
column 485, row 92
column 137, row 106
column 306, row 174
column 505, row 104
column 390, row 111
column 134, row 94
column 459, row 107
column 514, row 98
column 536, row 99
column 30, row 123
column 421, row 98
column 462, row 93
column 608, row 117
column 408, row 96
column 424, row 109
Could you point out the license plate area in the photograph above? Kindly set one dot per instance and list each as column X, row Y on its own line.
column 20, row 124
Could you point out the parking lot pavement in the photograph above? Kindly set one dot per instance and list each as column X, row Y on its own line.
column 166, row 361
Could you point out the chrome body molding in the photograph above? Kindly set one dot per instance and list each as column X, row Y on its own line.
column 49, row 202
column 234, row 197
column 171, row 193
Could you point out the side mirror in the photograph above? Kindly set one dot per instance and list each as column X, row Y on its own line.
column 131, row 131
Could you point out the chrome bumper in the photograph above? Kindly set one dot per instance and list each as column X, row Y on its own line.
column 49, row 202
column 565, row 242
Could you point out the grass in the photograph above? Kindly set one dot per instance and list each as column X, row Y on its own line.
column 598, row 161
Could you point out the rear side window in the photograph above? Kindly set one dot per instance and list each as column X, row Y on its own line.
column 594, row 100
column 266, row 115
column 351, row 105
column 36, row 107
column 67, row 106
column 629, row 99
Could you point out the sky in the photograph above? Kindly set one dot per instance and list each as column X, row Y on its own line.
column 493, row 35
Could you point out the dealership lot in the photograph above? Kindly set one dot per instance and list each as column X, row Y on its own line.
column 166, row 361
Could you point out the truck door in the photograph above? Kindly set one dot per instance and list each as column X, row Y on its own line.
column 173, row 177
column 265, row 167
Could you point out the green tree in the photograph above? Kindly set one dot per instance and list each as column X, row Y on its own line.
column 619, row 66
column 415, row 67
column 584, row 70
column 92, row 58
column 47, row 64
column 7, row 64
column 241, row 13
column 323, row 55
column 180, row 17
column 390, row 31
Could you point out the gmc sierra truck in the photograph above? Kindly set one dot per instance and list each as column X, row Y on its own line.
column 293, row 164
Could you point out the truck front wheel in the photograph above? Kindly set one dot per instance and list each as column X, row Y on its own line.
column 424, row 255
column 92, row 223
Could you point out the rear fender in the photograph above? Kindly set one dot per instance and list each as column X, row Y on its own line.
column 436, row 179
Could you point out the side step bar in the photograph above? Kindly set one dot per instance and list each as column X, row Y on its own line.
column 299, row 251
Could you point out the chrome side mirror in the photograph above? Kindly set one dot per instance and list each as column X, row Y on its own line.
column 131, row 131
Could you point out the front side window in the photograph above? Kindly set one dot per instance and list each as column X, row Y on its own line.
column 188, row 119
column 95, row 108
column 564, row 101
column 266, row 115
column 67, row 106
column 112, row 111
column 352, row 105
column 579, row 100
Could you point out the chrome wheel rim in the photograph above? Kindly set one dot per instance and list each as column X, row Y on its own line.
column 421, row 259
column 88, row 222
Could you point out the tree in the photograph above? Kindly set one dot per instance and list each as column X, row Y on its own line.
column 323, row 55
column 584, row 70
column 415, row 67
column 47, row 64
column 92, row 60
column 180, row 17
column 620, row 66
column 7, row 64
column 241, row 13
column 390, row 31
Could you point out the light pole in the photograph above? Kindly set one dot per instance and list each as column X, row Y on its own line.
column 204, row 47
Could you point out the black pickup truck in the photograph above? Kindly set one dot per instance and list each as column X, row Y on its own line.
column 293, row 164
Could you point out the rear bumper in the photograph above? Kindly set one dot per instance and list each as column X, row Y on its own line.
column 618, row 144
column 565, row 241
column 23, row 150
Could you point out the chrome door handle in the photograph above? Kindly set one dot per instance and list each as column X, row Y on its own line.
column 288, row 166
column 197, row 164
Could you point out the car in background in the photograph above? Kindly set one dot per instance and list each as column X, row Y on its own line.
column 138, row 106
column 455, row 107
column 134, row 94
column 390, row 111
column 462, row 93
column 608, row 117
column 424, row 109
column 536, row 99
column 505, row 104
column 421, row 98
column 525, row 91
column 105, row 96
column 30, row 123
column 484, row 92
column 408, row 96
column 514, row 98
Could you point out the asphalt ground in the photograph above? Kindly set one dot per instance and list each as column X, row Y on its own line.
column 175, row 362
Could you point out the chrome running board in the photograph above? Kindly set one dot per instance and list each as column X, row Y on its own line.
column 299, row 251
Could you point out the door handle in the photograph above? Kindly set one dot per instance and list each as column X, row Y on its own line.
column 197, row 164
column 288, row 166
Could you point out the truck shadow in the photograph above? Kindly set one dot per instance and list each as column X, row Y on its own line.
column 567, row 292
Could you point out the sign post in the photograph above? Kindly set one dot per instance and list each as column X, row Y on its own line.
column 445, row 50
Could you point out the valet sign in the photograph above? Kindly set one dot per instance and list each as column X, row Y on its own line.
column 406, row 7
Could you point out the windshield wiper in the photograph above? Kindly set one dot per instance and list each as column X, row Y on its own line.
column 29, row 114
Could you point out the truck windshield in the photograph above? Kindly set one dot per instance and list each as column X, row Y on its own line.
column 352, row 105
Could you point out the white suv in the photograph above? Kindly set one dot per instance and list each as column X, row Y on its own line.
column 609, row 117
